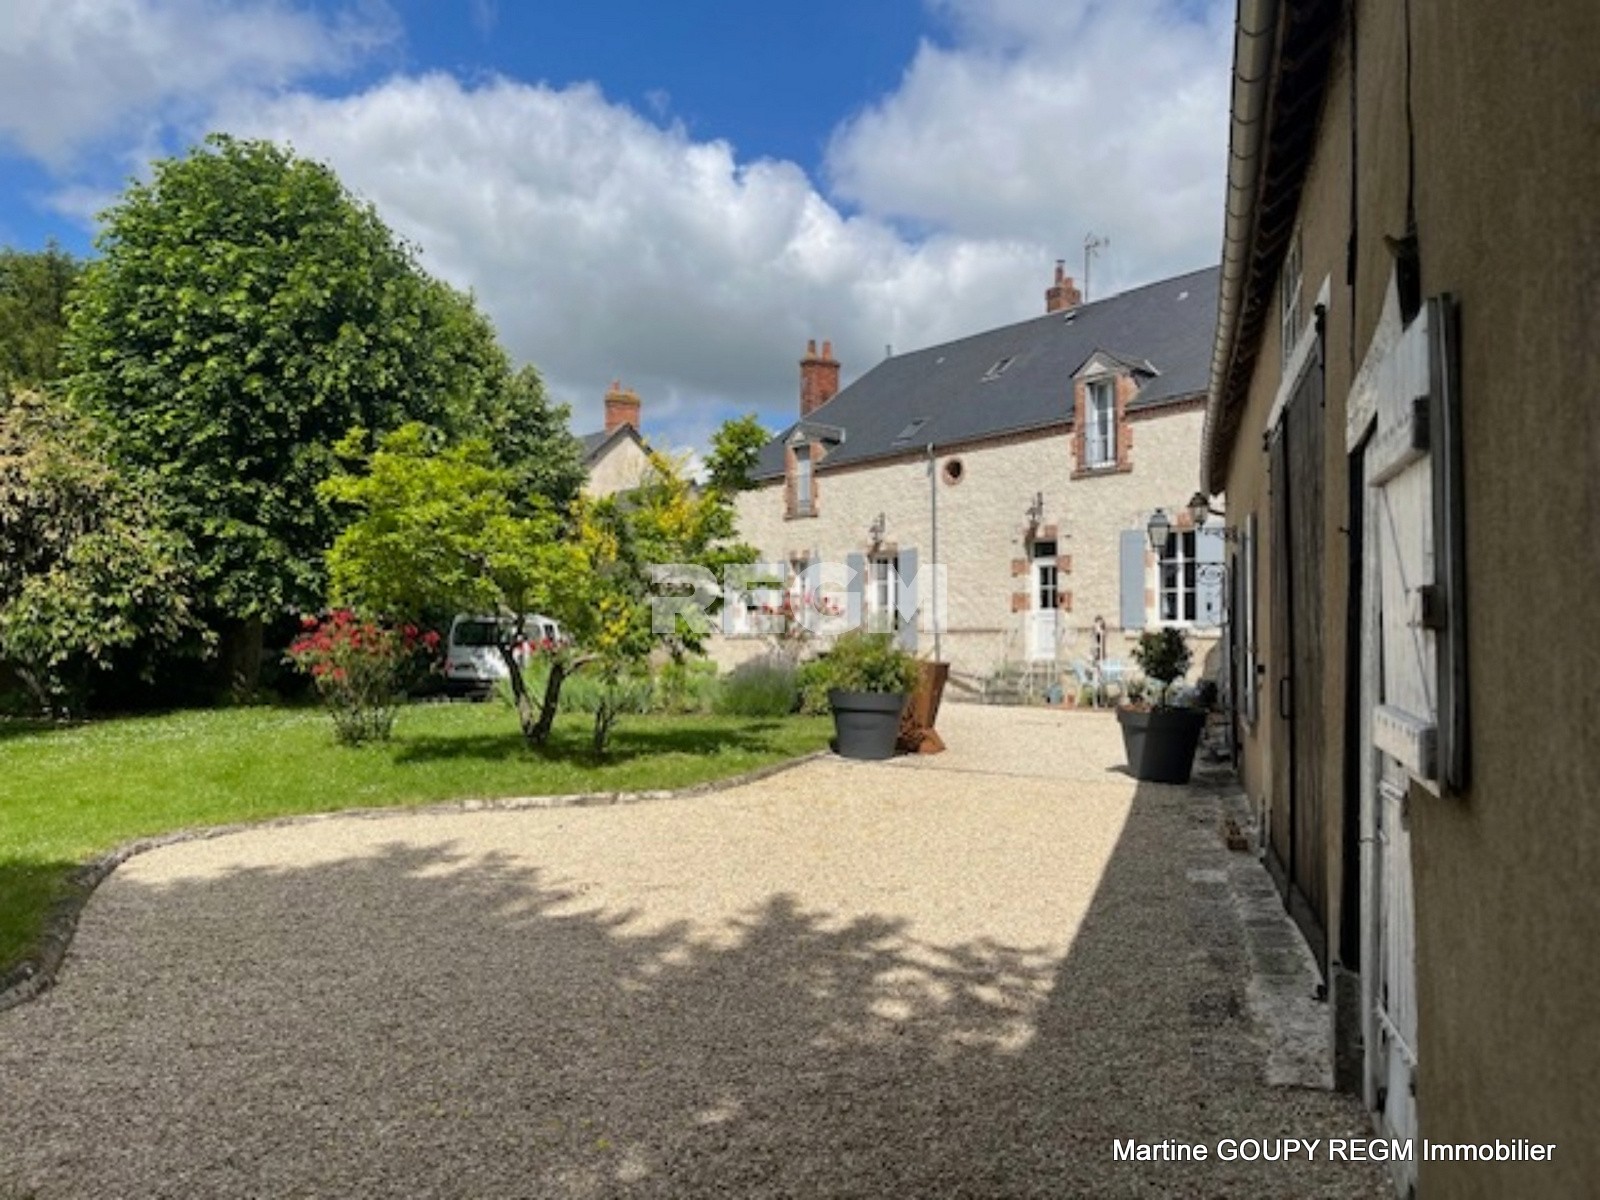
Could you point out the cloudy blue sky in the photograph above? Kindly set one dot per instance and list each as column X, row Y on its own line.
column 676, row 194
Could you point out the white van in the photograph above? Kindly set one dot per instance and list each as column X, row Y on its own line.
column 472, row 658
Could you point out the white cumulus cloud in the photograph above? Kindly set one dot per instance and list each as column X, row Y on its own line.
column 605, row 246
column 74, row 72
column 1051, row 121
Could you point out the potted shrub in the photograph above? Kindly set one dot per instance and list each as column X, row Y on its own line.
column 1159, row 734
column 869, row 679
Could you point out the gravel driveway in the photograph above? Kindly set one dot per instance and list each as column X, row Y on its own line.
column 954, row 976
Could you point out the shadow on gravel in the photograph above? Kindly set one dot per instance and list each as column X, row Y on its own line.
column 418, row 1023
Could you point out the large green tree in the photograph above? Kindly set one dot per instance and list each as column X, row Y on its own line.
column 33, row 307
column 246, row 312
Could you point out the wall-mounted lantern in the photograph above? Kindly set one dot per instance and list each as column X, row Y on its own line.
column 877, row 529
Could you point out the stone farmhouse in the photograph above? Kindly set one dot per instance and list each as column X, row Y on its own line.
column 1025, row 461
column 617, row 455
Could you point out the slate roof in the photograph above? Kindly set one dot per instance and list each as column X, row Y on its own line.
column 961, row 391
column 594, row 443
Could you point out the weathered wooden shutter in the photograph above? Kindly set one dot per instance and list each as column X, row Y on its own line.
column 1131, row 546
column 855, row 590
column 906, row 604
column 1209, row 547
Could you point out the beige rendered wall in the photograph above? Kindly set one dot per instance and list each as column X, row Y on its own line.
column 1507, row 108
column 983, row 527
column 620, row 468
column 1507, row 176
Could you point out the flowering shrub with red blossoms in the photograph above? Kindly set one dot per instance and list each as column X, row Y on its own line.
column 360, row 669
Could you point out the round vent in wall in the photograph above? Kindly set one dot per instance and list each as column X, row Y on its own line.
column 954, row 471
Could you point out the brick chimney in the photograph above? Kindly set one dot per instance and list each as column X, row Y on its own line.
column 622, row 407
column 1064, row 294
column 819, row 377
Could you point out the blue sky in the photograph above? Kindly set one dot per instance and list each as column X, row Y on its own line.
column 676, row 195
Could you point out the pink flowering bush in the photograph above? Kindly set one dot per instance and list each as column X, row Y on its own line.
column 360, row 669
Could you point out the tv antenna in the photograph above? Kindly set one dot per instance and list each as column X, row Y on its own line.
column 1092, row 244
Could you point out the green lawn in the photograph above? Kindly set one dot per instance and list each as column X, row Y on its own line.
column 70, row 793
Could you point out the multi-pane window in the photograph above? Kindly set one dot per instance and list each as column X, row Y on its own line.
column 1100, row 448
column 882, row 592
column 1289, row 287
column 1046, row 575
column 1177, row 594
column 802, row 479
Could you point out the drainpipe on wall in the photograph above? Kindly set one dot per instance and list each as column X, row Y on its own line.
column 1255, row 37
column 933, row 550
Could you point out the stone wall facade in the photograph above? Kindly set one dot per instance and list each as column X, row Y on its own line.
column 987, row 535
column 620, row 468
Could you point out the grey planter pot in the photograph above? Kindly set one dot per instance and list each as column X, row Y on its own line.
column 1161, row 742
column 866, row 724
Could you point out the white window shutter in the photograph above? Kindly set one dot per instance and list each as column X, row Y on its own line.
column 906, row 599
column 1209, row 547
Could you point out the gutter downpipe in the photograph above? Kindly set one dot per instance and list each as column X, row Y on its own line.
column 933, row 517
column 1255, row 40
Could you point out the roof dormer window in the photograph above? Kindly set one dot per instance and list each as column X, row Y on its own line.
column 1100, row 423
column 911, row 430
column 802, row 480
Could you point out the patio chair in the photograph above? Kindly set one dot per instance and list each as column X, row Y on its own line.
column 1112, row 673
column 1082, row 675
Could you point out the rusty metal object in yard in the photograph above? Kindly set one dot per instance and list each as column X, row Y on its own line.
column 917, row 735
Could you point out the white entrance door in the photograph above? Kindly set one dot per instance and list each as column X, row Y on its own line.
column 1400, row 707
column 1043, row 613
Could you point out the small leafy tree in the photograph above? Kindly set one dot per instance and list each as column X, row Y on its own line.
column 436, row 529
column 735, row 448
column 665, row 522
column 1165, row 656
column 88, row 566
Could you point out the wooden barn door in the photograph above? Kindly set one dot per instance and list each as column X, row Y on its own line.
column 1297, row 856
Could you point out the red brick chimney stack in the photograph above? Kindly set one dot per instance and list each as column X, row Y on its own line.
column 819, row 377
column 1064, row 294
column 622, row 407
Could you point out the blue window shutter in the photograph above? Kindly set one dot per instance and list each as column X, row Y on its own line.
column 1132, row 546
column 906, row 599
column 855, row 591
column 1209, row 548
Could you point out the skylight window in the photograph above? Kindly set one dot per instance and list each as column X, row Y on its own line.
column 910, row 431
column 998, row 369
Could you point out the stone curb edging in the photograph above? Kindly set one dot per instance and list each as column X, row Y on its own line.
column 36, row 974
